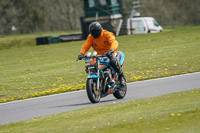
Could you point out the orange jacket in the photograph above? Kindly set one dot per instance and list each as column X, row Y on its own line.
column 102, row 44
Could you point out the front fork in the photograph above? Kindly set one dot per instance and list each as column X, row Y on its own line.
column 95, row 76
column 98, row 73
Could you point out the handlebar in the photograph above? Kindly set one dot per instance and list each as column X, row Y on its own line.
column 85, row 57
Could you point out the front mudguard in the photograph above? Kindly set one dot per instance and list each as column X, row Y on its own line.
column 93, row 76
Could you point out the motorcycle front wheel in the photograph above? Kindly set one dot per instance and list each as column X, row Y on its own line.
column 120, row 92
column 93, row 94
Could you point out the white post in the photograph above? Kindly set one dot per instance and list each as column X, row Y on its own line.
column 119, row 27
column 97, row 15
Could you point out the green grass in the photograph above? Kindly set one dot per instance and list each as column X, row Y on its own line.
column 28, row 70
column 17, row 41
column 174, row 113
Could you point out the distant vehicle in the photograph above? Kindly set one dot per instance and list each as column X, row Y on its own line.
column 143, row 25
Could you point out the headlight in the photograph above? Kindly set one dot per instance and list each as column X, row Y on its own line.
column 89, row 54
column 94, row 53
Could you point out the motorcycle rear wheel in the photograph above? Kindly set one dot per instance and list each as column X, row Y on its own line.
column 120, row 92
column 93, row 94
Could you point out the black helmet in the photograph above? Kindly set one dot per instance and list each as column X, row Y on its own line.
column 95, row 29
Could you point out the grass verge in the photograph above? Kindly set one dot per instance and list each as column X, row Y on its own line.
column 31, row 71
column 174, row 113
column 21, row 40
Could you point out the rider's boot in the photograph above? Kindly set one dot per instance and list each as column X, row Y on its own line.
column 122, row 78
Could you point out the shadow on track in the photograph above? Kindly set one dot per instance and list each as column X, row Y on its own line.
column 86, row 103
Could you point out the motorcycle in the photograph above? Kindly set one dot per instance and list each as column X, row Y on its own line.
column 102, row 79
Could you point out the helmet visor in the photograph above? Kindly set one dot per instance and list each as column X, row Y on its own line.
column 96, row 33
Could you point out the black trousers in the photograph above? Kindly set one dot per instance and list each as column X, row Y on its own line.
column 115, row 62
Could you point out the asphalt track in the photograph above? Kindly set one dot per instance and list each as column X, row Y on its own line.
column 47, row 105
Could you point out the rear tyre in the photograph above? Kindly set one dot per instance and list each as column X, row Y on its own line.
column 120, row 92
column 93, row 94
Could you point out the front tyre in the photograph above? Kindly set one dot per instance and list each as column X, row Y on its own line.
column 93, row 94
column 120, row 92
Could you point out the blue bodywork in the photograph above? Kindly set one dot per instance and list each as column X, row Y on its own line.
column 104, row 61
column 122, row 58
column 110, row 88
column 87, row 61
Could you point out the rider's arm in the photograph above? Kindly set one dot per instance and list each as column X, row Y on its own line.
column 111, row 40
column 86, row 46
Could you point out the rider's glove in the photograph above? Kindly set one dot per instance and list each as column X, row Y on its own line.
column 80, row 56
column 109, row 53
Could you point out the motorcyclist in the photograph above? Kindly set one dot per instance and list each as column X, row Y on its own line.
column 103, row 41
